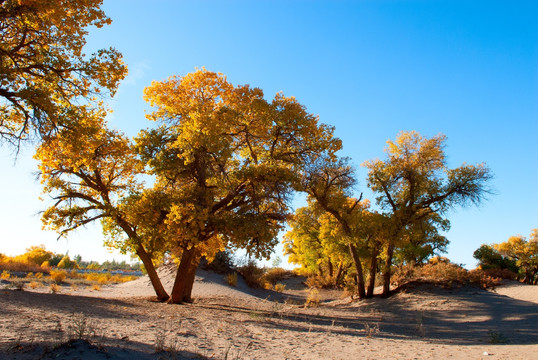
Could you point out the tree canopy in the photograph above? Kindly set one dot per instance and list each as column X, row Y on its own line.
column 46, row 80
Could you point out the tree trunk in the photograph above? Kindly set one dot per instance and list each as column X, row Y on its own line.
column 339, row 272
column 191, row 275
column 320, row 270
column 360, row 276
column 387, row 272
column 162, row 295
column 373, row 271
column 184, row 277
column 330, row 267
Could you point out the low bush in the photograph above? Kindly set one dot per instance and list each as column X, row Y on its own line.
column 231, row 279
column 320, row 282
column 252, row 274
column 446, row 273
column 273, row 275
column 5, row 275
column 58, row 275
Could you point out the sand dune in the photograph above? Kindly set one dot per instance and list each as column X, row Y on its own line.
column 423, row 322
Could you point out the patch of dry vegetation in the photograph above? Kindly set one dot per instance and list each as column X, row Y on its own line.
column 264, row 278
column 448, row 274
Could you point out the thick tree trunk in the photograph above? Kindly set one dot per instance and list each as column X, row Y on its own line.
column 387, row 272
column 373, row 271
column 182, row 288
column 161, row 293
column 360, row 275
column 191, row 275
column 320, row 270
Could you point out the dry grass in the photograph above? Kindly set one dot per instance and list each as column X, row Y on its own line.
column 447, row 274
column 54, row 288
column 262, row 278
column 231, row 279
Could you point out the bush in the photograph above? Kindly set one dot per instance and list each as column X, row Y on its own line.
column 58, row 275
column 272, row 276
column 54, row 288
column 5, row 275
column 446, row 273
column 280, row 287
column 221, row 264
column 252, row 274
column 320, row 282
column 34, row 284
column 231, row 279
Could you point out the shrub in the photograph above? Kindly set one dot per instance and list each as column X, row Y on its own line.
column 96, row 287
column 38, row 275
column 273, row 275
column 280, row 287
column 5, row 275
column 252, row 274
column 231, row 279
column 446, row 273
column 320, row 282
column 221, row 264
column 34, row 284
column 54, row 288
column 30, row 274
column 312, row 300
column 58, row 275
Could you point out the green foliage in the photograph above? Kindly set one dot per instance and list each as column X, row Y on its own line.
column 489, row 259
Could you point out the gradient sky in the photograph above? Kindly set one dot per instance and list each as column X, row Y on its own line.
column 467, row 69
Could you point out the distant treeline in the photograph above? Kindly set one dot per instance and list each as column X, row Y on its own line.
column 39, row 259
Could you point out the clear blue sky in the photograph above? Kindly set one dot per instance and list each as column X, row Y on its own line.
column 468, row 69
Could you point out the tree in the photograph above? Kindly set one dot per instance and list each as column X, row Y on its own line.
column 329, row 183
column 46, row 81
column 35, row 255
column 489, row 258
column 524, row 252
column 414, row 184
column 91, row 172
column 229, row 160
column 310, row 243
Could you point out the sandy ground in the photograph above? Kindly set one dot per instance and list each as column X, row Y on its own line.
column 423, row 322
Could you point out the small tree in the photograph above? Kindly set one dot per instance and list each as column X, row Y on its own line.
column 525, row 254
column 414, row 184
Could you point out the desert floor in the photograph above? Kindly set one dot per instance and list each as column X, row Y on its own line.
column 120, row 322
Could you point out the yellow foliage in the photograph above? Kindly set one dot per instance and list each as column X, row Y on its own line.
column 5, row 275
column 58, row 275
column 231, row 279
column 34, row 284
column 45, row 74
column 54, row 288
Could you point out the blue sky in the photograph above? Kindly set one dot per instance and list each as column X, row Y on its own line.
column 468, row 69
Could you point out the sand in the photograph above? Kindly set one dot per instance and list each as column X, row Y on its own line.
column 422, row 322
